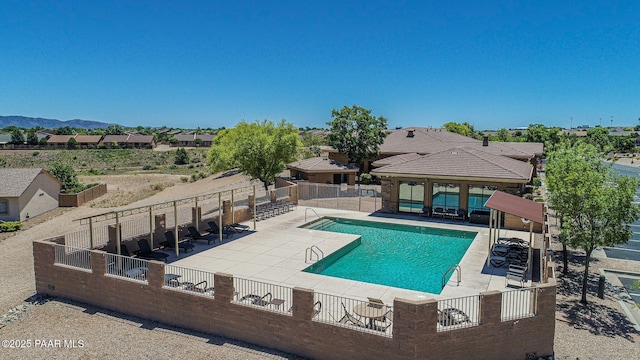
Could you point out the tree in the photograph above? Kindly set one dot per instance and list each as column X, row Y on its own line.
column 17, row 137
column 261, row 150
column 599, row 137
column 72, row 144
column 503, row 135
column 65, row 130
column 464, row 129
column 356, row 133
column 594, row 204
column 67, row 177
column 181, row 157
column 114, row 130
column 32, row 137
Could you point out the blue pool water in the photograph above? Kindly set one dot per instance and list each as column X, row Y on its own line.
column 403, row 256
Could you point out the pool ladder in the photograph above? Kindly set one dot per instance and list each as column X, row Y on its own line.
column 305, row 213
column 452, row 269
column 310, row 251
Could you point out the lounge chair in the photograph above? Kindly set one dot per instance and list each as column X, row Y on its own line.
column 147, row 253
column 236, row 227
column 171, row 242
column 498, row 261
column 426, row 211
column 452, row 316
column 350, row 319
column 214, row 229
column 452, row 213
column 317, row 307
column 195, row 235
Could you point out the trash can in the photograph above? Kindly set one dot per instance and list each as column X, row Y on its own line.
column 601, row 287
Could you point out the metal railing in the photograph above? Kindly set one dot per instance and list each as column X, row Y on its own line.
column 72, row 256
column 452, row 269
column 263, row 295
column 312, row 210
column 310, row 251
column 519, row 303
column 187, row 280
column 342, row 197
column 126, row 267
column 362, row 315
column 82, row 238
column 458, row 313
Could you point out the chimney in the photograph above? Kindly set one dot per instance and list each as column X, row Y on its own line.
column 485, row 141
column 410, row 133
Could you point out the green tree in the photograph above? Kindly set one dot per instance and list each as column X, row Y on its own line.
column 43, row 142
column 464, row 129
column 594, row 204
column 261, row 150
column 356, row 133
column 599, row 137
column 72, row 144
column 114, row 130
column 67, row 177
column 32, row 137
column 17, row 137
column 503, row 135
column 65, row 130
column 182, row 157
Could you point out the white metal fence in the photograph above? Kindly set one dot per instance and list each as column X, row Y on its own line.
column 188, row 280
column 263, row 295
column 126, row 267
column 519, row 304
column 72, row 256
column 344, row 197
column 371, row 316
column 458, row 313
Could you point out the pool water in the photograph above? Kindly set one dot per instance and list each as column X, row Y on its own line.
column 403, row 256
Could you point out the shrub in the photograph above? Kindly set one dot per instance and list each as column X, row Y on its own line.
column 528, row 196
column 184, row 179
column 35, row 153
column 365, row 179
column 9, row 226
column 149, row 167
column 181, row 157
column 539, row 200
column 536, row 182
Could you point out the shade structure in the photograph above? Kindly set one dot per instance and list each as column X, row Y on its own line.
column 515, row 205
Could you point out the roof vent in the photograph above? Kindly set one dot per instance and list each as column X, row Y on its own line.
column 410, row 133
column 485, row 140
column 324, row 155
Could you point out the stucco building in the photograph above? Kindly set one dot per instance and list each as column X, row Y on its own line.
column 26, row 192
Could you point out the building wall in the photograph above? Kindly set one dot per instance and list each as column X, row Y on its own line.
column 14, row 210
column 415, row 334
column 39, row 197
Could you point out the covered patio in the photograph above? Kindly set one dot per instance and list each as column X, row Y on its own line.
column 528, row 212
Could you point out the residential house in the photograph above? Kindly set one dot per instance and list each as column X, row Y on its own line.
column 26, row 192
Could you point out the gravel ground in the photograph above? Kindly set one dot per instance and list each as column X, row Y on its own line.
column 598, row 330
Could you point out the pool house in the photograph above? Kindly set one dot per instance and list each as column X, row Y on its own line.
column 453, row 183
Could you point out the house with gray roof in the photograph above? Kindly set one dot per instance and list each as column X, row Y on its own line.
column 27, row 192
column 323, row 170
column 457, row 180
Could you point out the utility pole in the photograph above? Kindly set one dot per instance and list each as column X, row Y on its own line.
column 611, row 121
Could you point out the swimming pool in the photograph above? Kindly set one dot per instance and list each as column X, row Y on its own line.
column 403, row 256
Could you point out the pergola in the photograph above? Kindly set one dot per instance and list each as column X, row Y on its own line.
column 529, row 211
column 195, row 200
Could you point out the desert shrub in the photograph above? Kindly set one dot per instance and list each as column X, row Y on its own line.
column 181, row 157
column 149, row 167
column 184, row 179
column 9, row 226
column 35, row 153
column 365, row 179
column 157, row 187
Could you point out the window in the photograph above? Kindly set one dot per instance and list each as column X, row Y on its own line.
column 446, row 196
column 411, row 197
column 478, row 196
column 4, row 207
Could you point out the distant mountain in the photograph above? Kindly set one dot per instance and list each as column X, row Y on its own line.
column 29, row 122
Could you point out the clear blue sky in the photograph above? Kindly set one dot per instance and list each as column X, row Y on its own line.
column 213, row 63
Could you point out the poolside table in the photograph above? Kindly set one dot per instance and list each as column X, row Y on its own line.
column 370, row 312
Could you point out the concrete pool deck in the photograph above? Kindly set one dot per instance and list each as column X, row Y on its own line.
column 275, row 253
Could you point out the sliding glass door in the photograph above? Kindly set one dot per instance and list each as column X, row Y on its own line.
column 411, row 197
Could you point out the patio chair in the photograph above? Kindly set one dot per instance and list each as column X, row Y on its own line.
column 452, row 316
column 375, row 303
column 195, row 235
column 387, row 321
column 214, row 229
column 317, row 307
column 452, row 213
column 516, row 275
column 426, row 212
column 257, row 299
column 350, row 319
column 171, row 242
column 147, row 253
column 438, row 212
